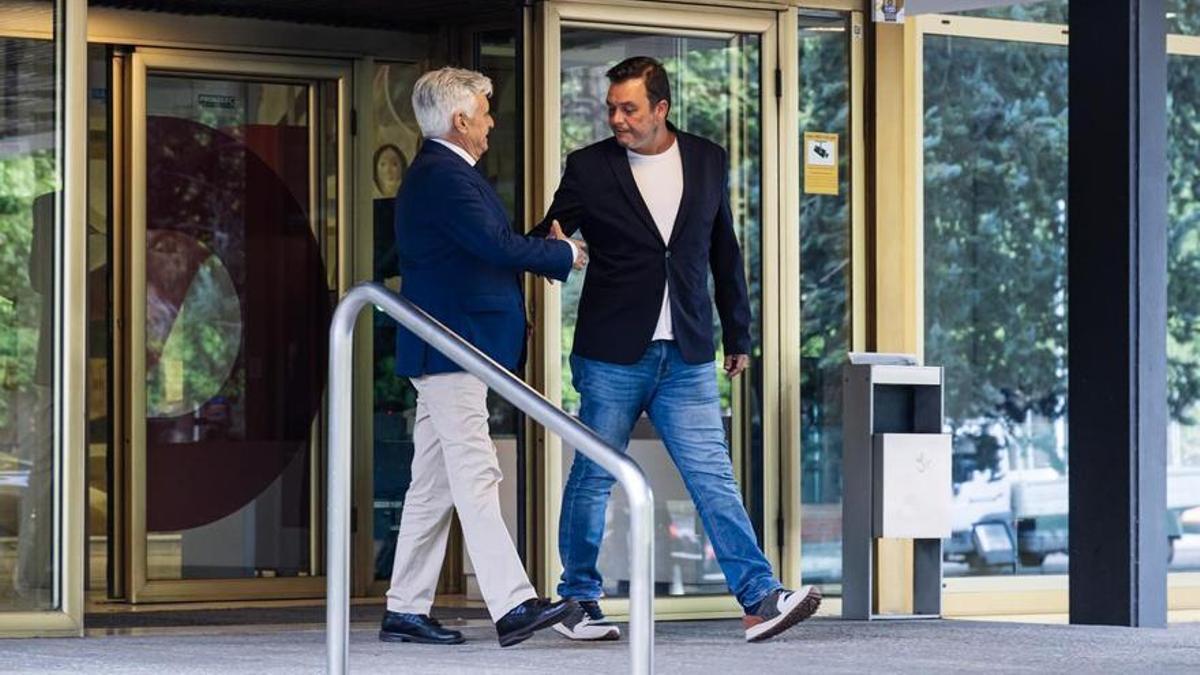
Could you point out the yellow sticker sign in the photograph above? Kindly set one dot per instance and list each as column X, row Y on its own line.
column 820, row 163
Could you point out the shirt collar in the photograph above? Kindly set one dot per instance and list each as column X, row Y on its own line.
column 456, row 150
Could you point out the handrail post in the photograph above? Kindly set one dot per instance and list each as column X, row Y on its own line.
column 521, row 395
column 337, row 540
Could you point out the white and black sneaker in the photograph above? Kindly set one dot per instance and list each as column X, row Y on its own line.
column 780, row 611
column 589, row 624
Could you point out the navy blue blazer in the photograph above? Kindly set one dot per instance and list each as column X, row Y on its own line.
column 461, row 262
column 629, row 262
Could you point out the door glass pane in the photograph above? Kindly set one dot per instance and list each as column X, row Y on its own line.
column 237, row 310
column 28, row 194
column 1183, row 304
column 99, row 324
column 397, row 140
column 496, row 57
column 996, row 295
column 715, row 87
column 824, row 294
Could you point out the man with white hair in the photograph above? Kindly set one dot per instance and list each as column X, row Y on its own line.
column 461, row 262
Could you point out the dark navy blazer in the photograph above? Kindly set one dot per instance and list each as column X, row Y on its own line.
column 461, row 262
column 629, row 262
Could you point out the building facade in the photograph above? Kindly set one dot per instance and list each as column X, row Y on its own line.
column 187, row 189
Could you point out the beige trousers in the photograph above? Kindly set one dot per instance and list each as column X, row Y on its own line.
column 454, row 466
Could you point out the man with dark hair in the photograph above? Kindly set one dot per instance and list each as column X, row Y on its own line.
column 653, row 204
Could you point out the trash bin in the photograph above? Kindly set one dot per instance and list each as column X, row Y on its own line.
column 896, row 476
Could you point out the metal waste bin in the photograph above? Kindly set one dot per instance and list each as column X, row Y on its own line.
column 896, row 477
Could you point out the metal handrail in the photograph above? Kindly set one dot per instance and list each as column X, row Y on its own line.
column 516, row 392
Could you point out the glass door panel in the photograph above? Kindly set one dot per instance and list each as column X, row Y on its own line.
column 716, row 87
column 235, row 275
column 397, row 139
column 29, row 179
column 825, row 283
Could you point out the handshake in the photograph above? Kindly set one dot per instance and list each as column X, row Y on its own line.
column 579, row 246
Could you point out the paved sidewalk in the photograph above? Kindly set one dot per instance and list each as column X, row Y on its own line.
column 691, row 648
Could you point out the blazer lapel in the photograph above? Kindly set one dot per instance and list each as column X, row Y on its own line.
column 685, row 158
column 619, row 161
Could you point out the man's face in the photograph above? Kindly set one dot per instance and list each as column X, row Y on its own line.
column 473, row 130
column 634, row 123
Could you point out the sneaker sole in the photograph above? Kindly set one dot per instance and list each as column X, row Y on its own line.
column 611, row 635
column 803, row 610
column 394, row 637
column 557, row 617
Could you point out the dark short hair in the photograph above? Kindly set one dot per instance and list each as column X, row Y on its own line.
column 658, row 87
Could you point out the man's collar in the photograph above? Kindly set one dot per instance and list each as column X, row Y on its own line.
column 456, row 149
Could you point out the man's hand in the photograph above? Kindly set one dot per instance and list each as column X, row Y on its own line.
column 581, row 258
column 735, row 364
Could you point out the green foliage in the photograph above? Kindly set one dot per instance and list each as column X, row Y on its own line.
column 392, row 393
column 995, row 239
column 824, row 266
column 1048, row 11
column 995, row 236
column 23, row 177
column 1183, row 290
column 1183, row 17
column 202, row 346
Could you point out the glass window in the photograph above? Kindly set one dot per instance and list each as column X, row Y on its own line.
column 1047, row 11
column 1183, row 309
column 29, row 204
column 824, row 295
column 397, row 137
column 995, row 294
column 237, row 311
column 1183, row 17
column 715, row 90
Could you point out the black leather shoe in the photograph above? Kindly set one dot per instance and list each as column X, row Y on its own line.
column 531, row 616
column 421, row 628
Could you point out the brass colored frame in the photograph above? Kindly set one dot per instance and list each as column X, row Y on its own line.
column 650, row 18
column 139, row 588
column 898, row 284
column 68, row 19
column 790, row 466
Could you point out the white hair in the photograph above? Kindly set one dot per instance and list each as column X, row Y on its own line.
column 442, row 93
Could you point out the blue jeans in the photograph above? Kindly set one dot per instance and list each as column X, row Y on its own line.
column 682, row 402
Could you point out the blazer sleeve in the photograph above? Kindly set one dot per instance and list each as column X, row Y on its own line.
column 475, row 227
column 729, row 275
column 567, row 207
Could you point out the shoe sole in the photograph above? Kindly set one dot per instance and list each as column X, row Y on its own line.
column 611, row 635
column 557, row 617
column 392, row 637
column 806, row 608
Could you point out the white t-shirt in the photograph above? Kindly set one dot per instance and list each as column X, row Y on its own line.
column 660, row 180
